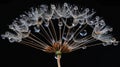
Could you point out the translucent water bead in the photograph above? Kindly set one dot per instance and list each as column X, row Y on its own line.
column 46, row 24
column 36, row 29
column 83, row 33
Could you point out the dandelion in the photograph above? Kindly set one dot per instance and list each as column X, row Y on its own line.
column 60, row 29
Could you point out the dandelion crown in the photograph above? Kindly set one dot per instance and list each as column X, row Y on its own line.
column 60, row 29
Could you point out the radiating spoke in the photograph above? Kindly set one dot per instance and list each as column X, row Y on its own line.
column 54, row 32
column 45, row 32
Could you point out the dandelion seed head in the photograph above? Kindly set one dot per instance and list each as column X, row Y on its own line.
column 60, row 29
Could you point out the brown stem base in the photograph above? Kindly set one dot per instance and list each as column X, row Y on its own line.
column 58, row 60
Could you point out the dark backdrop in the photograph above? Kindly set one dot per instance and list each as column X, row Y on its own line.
column 21, row 55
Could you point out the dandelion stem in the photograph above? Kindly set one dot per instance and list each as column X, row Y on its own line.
column 58, row 54
column 58, row 60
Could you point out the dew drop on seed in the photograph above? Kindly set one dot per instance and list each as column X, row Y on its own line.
column 55, row 57
column 11, row 40
column 83, row 33
column 115, row 43
column 60, row 24
column 64, row 38
column 91, row 23
column 46, row 24
column 53, row 7
column 53, row 41
column 70, row 36
column 74, row 24
column 36, row 29
column 84, row 47
column 75, row 8
column 3, row 36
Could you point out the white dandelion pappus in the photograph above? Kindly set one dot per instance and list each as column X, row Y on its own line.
column 60, row 29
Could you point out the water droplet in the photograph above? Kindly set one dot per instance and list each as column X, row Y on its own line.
column 65, row 4
column 81, row 22
column 46, row 24
column 3, row 36
column 68, row 37
column 97, row 18
column 53, row 7
column 60, row 24
column 11, row 40
column 91, row 23
column 75, row 8
column 102, row 23
column 74, row 23
column 64, row 38
column 53, row 41
column 36, row 29
column 83, row 33
column 115, row 43
column 56, row 57
column 106, row 43
column 84, row 47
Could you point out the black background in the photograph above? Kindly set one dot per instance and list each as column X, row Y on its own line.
column 21, row 55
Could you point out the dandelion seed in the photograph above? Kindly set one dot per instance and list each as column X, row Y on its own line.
column 57, row 34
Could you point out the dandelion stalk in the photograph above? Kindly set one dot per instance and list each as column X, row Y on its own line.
column 58, row 57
